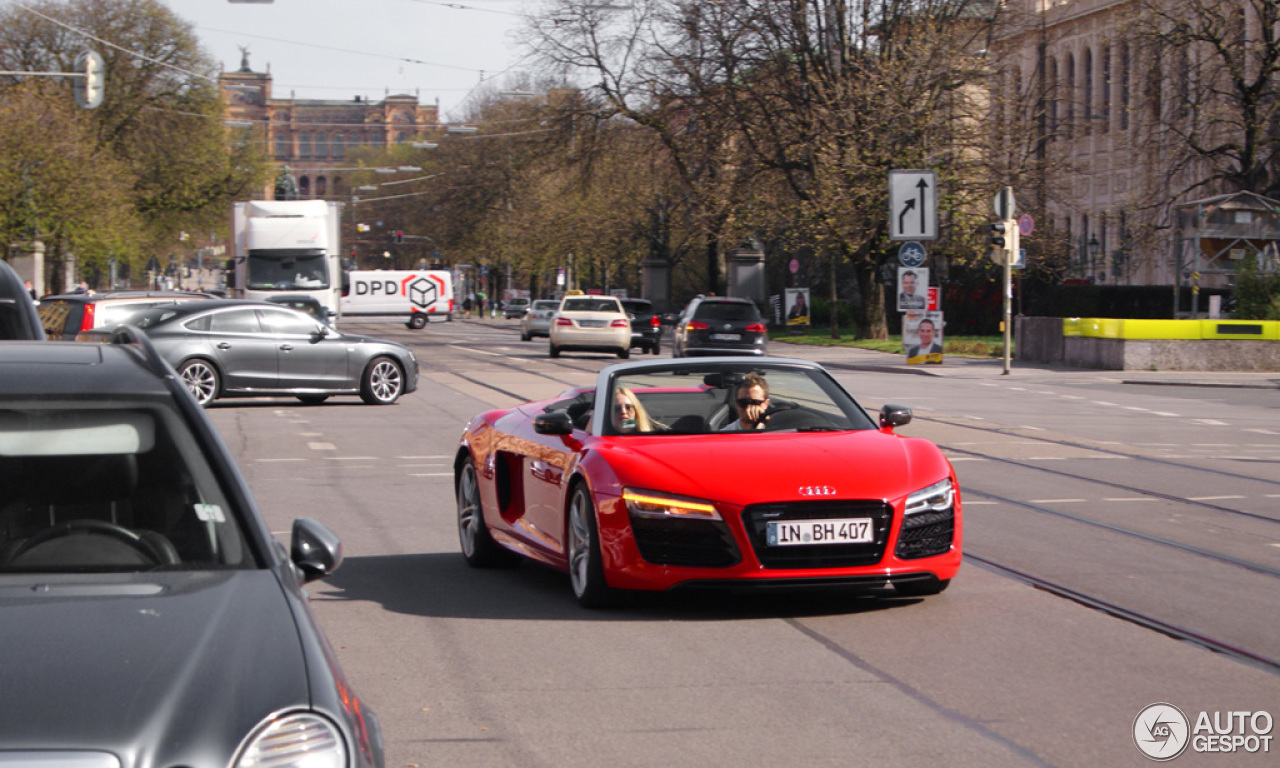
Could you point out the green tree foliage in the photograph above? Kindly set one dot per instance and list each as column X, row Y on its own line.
column 1257, row 293
column 161, row 118
column 57, row 183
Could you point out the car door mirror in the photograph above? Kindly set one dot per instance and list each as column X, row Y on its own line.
column 894, row 415
column 553, row 423
column 314, row 549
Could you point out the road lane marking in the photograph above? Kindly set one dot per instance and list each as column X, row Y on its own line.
column 1212, row 498
column 322, row 446
column 1059, row 501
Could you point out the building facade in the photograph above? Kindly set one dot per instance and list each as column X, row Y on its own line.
column 1108, row 106
column 313, row 137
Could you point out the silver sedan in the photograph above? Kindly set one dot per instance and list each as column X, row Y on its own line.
column 230, row 348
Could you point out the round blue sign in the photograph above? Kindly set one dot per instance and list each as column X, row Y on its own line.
column 911, row 254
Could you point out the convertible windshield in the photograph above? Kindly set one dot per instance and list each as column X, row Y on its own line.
column 123, row 487
column 712, row 398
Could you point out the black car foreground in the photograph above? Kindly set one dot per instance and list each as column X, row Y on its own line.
column 148, row 616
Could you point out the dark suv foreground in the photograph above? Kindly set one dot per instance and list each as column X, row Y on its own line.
column 150, row 617
column 719, row 325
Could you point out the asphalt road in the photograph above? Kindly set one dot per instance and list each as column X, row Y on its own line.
column 1107, row 522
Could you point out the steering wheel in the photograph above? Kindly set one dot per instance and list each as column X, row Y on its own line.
column 92, row 528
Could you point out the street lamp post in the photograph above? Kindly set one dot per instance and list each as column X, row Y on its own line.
column 1094, row 245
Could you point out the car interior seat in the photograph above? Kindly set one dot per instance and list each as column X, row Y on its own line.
column 75, row 512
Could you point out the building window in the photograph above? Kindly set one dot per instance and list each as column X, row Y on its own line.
column 304, row 145
column 1124, row 86
column 1104, row 89
column 304, row 187
column 1052, row 88
column 1070, row 92
column 282, row 146
column 322, row 146
column 339, row 146
column 1086, row 91
column 321, row 186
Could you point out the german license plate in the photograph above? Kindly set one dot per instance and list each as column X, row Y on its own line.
column 786, row 533
column 590, row 323
column 726, row 337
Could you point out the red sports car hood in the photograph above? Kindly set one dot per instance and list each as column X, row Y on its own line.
column 748, row 469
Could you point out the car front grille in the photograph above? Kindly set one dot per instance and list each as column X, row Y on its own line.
column 926, row 534
column 755, row 520
column 689, row 543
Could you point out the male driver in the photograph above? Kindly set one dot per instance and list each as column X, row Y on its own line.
column 927, row 345
column 752, row 402
column 907, row 296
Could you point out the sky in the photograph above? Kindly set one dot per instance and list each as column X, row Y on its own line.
column 438, row 50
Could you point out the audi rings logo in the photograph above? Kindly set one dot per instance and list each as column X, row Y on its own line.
column 817, row 490
column 1160, row 732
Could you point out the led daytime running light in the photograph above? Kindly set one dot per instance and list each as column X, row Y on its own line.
column 650, row 505
column 935, row 498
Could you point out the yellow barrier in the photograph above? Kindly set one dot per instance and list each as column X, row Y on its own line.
column 1182, row 330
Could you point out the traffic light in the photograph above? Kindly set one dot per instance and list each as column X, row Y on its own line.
column 1004, row 241
column 88, row 87
column 399, row 236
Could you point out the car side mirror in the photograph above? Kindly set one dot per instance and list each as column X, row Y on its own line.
column 314, row 549
column 894, row 415
column 553, row 423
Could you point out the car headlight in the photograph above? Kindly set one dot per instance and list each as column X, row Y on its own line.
column 935, row 498
column 299, row 740
column 663, row 505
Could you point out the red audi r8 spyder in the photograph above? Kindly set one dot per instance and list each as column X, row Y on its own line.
column 709, row 472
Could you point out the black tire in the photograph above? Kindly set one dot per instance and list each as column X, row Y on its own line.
column 555, row 351
column 312, row 399
column 624, row 353
column 525, row 337
column 202, row 379
column 417, row 321
column 922, row 588
column 382, row 381
column 478, row 547
column 656, row 348
column 586, row 566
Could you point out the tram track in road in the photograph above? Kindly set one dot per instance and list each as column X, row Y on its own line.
column 1168, row 463
column 1137, row 617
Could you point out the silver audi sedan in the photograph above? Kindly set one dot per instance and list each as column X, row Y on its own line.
column 232, row 348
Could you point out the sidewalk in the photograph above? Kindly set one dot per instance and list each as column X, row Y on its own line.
column 852, row 358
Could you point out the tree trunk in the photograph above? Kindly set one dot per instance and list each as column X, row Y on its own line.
column 871, row 322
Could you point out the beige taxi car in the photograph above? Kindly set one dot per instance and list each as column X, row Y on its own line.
column 591, row 323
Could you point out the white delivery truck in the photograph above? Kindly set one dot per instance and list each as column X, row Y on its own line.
column 288, row 247
column 419, row 296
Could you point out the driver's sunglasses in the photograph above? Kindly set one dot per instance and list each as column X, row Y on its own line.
column 743, row 402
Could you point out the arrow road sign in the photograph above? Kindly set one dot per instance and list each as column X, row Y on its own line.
column 913, row 208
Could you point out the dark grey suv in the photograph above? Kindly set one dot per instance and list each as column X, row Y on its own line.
column 149, row 615
column 720, row 325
